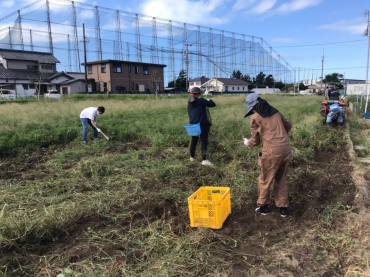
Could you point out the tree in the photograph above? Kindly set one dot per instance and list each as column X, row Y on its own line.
column 334, row 78
column 260, row 80
column 236, row 75
column 269, row 81
column 180, row 81
column 302, row 86
column 248, row 79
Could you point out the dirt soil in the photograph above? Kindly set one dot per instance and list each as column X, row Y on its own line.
column 249, row 242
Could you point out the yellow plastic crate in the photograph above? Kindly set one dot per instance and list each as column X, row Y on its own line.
column 209, row 207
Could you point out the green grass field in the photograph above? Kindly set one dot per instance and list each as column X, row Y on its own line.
column 119, row 207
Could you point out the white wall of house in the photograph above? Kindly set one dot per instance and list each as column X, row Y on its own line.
column 213, row 85
column 197, row 84
column 219, row 86
column 74, row 87
column 21, row 88
column 236, row 88
column 357, row 89
column 77, row 87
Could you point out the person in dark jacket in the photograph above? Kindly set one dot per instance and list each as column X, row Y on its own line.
column 197, row 110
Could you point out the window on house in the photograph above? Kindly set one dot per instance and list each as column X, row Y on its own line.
column 145, row 70
column 103, row 68
column 129, row 68
column 136, row 70
column 120, row 88
column 25, row 87
column 233, row 88
column 117, row 68
column 238, row 88
column 132, row 86
column 105, row 87
column 89, row 69
column 136, row 87
column 243, row 88
column 32, row 67
column 31, row 86
column 47, row 66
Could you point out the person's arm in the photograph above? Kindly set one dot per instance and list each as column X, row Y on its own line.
column 93, row 123
column 255, row 137
column 208, row 102
column 286, row 123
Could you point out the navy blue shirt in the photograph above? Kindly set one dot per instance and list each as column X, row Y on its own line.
column 197, row 110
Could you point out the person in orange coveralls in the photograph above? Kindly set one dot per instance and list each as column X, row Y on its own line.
column 270, row 125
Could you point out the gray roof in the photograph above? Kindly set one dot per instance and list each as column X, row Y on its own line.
column 76, row 75
column 66, row 82
column 21, row 74
column 21, row 55
column 123, row 62
column 202, row 79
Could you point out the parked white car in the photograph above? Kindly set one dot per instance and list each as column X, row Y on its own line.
column 52, row 94
column 208, row 92
column 7, row 94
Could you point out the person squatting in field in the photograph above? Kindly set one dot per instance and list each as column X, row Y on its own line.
column 333, row 94
column 88, row 117
column 270, row 125
column 197, row 110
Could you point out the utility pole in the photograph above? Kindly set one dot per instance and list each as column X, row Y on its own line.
column 216, row 75
column 187, row 65
column 322, row 72
column 84, row 39
column 368, row 53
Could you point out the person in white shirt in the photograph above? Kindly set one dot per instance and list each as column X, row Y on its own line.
column 88, row 117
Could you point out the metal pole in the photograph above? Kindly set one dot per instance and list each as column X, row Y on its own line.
column 187, row 66
column 322, row 73
column 84, row 39
column 367, row 66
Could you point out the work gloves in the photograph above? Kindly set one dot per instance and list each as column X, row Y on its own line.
column 98, row 130
column 246, row 141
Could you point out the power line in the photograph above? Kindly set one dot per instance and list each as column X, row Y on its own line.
column 338, row 42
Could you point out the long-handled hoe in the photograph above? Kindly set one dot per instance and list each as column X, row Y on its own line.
column 104, row 135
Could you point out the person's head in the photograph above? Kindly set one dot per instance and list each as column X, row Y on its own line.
column 251, row 100
column 100, row 110
column 194, row 93
column 330, row 87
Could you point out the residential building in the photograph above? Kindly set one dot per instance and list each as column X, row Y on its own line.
column 125, row 76
column 266, row 90
column 226, row 85
column 197, row 82
column 22, row 72
column 357, row 89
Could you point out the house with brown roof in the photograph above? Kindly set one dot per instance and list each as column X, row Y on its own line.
column 226, row 85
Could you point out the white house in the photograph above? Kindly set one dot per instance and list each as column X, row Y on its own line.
column 26, row 72
column 197, row 82
column 357, row 89
column 226, row 85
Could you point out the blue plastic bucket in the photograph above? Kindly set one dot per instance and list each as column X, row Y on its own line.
column 193, row 129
